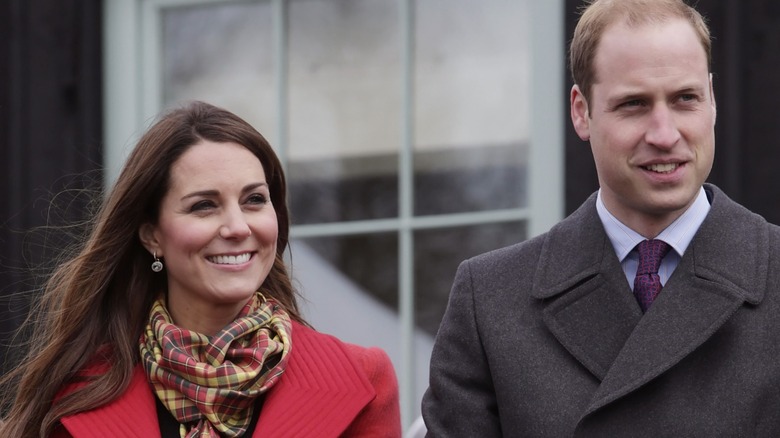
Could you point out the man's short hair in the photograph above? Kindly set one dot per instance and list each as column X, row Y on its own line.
column 597, row 15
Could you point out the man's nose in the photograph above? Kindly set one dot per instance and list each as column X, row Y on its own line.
column 662, row 131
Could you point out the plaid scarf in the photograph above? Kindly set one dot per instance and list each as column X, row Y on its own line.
column 210, row 384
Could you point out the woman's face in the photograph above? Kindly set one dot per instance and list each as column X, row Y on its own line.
column 216, row 234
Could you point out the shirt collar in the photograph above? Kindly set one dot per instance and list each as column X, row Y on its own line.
column 678, row 234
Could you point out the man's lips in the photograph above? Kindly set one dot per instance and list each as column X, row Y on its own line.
column 662, row 167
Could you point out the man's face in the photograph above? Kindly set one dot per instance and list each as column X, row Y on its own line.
column 650, row 121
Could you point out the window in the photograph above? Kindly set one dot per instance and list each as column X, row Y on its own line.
column 415, row 134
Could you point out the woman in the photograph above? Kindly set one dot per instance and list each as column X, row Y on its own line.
column 178, row 318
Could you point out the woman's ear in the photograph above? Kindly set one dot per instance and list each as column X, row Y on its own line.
column 149, row 239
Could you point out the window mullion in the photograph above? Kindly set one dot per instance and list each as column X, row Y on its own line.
column 282, row 73
column 406, row 207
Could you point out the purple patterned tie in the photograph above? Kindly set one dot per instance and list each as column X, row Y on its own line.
column 647, row 283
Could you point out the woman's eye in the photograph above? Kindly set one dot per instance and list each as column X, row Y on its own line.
column 202, row 205
column 256, row 198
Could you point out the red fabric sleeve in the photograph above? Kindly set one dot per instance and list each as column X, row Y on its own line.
column 381, row 417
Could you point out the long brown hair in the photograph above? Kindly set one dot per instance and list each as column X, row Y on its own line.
column 96, row 304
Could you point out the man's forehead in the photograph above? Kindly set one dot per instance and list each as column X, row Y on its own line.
column 625, row 29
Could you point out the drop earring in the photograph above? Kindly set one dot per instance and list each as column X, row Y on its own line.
column 157, row 265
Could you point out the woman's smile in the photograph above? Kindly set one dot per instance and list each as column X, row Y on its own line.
column 216, row 232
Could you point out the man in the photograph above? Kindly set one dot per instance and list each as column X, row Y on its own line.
column 654, row 309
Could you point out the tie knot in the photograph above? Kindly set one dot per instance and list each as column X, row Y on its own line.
column 650, row 254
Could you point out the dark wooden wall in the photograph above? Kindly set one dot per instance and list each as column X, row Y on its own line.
column 50, row 131
column 746, row 67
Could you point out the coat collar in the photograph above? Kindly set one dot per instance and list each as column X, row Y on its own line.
column 321, row 392
column 133, row 414
column 578, row 248
column 590, row 309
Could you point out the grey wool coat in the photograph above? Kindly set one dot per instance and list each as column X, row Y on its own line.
column 545, row 339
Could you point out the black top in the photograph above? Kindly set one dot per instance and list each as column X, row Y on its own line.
column 169, row 427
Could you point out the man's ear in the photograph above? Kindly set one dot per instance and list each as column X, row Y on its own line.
column 580, row 117
column 714, row 105
column 149, row 239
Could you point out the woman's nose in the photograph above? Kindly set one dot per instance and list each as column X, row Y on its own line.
column 235, row 225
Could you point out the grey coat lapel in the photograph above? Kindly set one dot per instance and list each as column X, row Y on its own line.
column 725, row 265
column 598, row 321
column 595, row 313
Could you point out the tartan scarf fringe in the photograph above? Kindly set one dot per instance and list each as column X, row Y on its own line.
column 210, row 384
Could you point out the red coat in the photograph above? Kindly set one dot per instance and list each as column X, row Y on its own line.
column 328, row 389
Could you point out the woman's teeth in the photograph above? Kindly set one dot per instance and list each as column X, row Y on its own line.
column 229, row 259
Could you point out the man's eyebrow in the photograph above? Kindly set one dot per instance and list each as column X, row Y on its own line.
column 638, row 95
column 631, row 95
column 691, row 89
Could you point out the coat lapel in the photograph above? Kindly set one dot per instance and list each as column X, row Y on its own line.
column 596, row 318
column 132, row 415
column 594, row 312
column 688, row 311
column 725, row 266
column 321, row 392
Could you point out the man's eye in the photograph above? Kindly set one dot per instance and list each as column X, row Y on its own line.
column 631, row 103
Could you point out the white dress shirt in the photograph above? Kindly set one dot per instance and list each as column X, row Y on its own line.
column 677, row 235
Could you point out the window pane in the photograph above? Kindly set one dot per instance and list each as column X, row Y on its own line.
column 222, row 54
column 437, row 257
column 349, row 286
column 471, row 116
column 344, row 109
column 470, row 179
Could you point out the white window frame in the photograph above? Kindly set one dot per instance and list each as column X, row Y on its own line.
column 132, row 97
